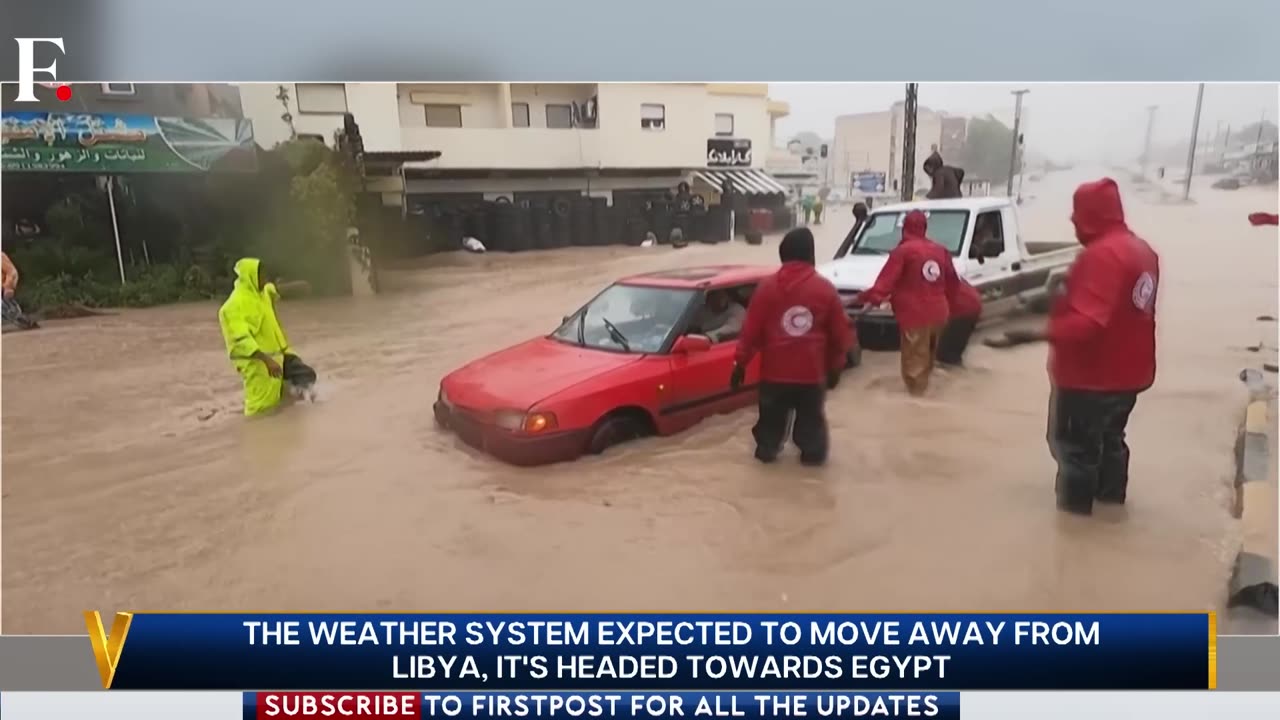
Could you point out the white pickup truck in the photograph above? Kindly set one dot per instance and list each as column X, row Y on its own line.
column 987, row 248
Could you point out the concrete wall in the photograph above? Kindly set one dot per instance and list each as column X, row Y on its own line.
column 873, row 141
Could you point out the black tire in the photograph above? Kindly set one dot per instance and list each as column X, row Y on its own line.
column 853, row 358
column 616, row 428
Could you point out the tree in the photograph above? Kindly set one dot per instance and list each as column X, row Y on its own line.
column 988, row 143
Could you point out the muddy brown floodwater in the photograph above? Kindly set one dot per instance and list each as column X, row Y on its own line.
column 131, row 481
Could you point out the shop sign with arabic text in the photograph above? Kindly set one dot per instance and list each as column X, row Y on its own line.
column 109, row 144
column 728, row 153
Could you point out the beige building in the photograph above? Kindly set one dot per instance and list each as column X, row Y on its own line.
column 872, row 142
column 502, row 139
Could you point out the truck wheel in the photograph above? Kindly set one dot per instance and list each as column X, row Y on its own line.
column 853, row 358
column 616, row 428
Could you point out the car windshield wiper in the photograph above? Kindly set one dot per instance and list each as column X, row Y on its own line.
column 582, row 328
column 615, row 334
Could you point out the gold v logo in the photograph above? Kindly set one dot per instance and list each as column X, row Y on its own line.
column 107, row 648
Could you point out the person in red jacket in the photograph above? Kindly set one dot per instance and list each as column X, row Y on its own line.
column 917, row 279
column 1261, row 218
column 798, row 326
column 1102, row 350
column 966, row 311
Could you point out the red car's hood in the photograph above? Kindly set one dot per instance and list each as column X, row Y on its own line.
column 521, row 375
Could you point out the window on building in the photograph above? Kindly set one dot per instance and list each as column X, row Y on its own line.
column 653, row 117
column 520, row 114
column 448, row 116
column 724, row 124
column 559, row 116
column 119, row 89
column 321, row 98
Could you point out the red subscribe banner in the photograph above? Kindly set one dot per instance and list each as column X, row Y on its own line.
column 367, row 705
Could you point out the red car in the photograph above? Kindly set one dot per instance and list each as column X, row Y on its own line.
column 631, row 362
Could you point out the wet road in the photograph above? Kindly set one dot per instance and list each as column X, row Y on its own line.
column 131, row 482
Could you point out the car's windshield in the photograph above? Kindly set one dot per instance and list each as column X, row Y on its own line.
column 627, row 318
column 883, row 231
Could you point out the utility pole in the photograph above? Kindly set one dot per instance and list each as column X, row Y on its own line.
column 1191, row 153
column 1013, row 152
column 909, row 143
column 1146, row 143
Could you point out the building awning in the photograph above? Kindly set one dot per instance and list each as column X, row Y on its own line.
column 746, row 180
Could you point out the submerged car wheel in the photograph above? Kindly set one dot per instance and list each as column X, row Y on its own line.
column 853, row 358
column 616, row 428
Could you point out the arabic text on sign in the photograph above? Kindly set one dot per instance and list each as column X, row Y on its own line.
column 729, row 158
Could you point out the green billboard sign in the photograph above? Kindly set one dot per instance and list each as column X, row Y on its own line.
column 119, row 144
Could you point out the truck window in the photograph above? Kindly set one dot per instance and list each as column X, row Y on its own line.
column 883, row 231
column 988, row 233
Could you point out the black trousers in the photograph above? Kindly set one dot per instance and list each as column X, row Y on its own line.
column 1087, row 438
column 803, row 407
column 955, row 339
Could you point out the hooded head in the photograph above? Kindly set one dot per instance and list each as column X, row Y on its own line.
column 797, row 246
column 860, row 211
column 915, row 224
column 1096, row 210
column 248, row 274
column 933, row 162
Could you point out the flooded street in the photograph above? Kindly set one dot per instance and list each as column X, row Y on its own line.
column 130, row 480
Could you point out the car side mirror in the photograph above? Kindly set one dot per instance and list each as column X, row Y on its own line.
column 689, row 344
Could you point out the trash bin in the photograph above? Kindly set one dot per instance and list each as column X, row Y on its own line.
column 761, row 220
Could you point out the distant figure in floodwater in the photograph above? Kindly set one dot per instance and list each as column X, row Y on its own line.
column 1259, row 219
column 256, row 343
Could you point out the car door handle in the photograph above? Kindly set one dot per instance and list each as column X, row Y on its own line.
column 1016, row 266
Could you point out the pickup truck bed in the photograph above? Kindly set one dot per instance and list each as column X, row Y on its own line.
column 1042, row 248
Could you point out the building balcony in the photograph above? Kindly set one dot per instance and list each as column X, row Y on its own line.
column 506, row 148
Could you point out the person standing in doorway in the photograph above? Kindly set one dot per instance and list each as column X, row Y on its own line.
column 1102, row 351
column 917, row 278
column 798, row 326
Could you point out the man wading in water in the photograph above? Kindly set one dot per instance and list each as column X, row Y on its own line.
column 1102, row 351
column 256, row 343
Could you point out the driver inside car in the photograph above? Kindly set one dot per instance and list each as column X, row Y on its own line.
column 986, row 237
column 720, row 318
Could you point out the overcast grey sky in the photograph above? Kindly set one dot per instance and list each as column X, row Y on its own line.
column 1080, row 122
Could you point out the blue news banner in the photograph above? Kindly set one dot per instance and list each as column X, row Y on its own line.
column 492, row 653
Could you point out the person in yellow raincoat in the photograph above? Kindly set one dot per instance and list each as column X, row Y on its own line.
column 255, row 341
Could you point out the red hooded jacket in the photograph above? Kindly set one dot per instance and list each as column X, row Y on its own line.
column 798, row 325
column 1102, row 331
column 965, row 301
column 918, row 278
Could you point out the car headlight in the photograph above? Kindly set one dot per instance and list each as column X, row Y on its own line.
column 519, row 421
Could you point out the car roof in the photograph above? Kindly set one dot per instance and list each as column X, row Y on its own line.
column 971, row 204
column 699, row 277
